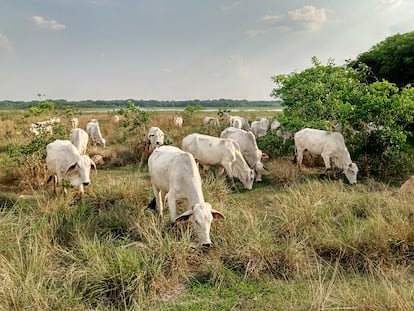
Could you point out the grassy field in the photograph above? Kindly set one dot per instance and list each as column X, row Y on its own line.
column 293, row 242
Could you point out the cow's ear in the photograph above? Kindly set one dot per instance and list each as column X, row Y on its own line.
column 93, row 165
column 184, row 216
column 265, row 156
column 217, row 214
column 71, row 168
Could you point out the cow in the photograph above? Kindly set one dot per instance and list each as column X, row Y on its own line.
column 155, row 137
column 211, row 121
column 44, row 127
column 79, row 138
column 210, row 150
column 174, row 174
column 63, row 161
column 94, row 131
column 74, row 122
column 178, row 121
column 329, row 145
column 244, row 123
column 259, row 128
column 248, row 147
column 408, row 186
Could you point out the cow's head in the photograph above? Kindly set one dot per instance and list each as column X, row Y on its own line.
column 351, row 172
column 155, row 137
column 203, row 215
column 78, row 173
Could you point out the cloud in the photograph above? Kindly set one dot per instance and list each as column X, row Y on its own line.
column 6, row 43
column 272, row 19
column 386, row 5
column 229, row 6
column 310, row 17
column 252, row 33
column 47, row 24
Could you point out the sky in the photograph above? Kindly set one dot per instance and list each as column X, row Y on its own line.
column 180, row 49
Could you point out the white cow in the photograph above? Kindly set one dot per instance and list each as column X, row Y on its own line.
column 244, row 122
column 64, row 161
column 330, row 145
column 211, row 121
column 260, row 128
column 275, row 125
column 248, row 146
column 155, row 137
column 44, row 127
column 74, row 122
column 92, row 128
column 79, row 138
column 178, row 121
column 210, row 150
column 174, row 174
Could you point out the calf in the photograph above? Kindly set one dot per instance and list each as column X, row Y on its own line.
column 64, row 161
column 174, row 174
column 329, row 145
column 210, row 150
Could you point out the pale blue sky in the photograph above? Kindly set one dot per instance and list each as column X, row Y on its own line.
column 180, row 49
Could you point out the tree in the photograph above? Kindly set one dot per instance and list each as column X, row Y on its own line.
column 372, row 117
column 391, row 60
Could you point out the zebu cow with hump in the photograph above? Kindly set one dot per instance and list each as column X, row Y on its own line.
column 94, row 131
column 155, row 137
column 210, row 150
column 174, row 174
column 248, row 146
column 329, row 145
column 64, row 161
column 79, row 138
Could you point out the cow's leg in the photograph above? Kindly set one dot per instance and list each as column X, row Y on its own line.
column 158, row 199
column 299, row 157
column 327, row 160
column 229, row 171
column 172, row 205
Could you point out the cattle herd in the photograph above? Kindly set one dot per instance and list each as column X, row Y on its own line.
column 174, row 171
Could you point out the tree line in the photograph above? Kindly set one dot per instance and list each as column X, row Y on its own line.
column 61, row 103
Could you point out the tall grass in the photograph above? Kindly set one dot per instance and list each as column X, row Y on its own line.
column 294, row 242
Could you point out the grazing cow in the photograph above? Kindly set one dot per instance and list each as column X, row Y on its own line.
column 116, row 119
column 244, row 123
column 155, row 137
column 330, row 145
column 259, row 128
column 74, row 122
column 178, row 121
column 174, row 174
column 92, row 128
column 210, row 150
column 63, row 161
column 275, row 125
column 236, row 123
column 248, row 147
column 44, row 127
column 211, row 121
column 79, row 138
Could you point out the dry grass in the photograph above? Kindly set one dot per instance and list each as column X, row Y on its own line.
column 294, row 242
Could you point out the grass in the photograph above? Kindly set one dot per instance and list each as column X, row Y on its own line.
column 294, row 242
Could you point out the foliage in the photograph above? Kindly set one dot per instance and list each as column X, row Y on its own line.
column 391, row 60
column 42, row 108
column 190, row 110
column 222, row 111
column 372, row 117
